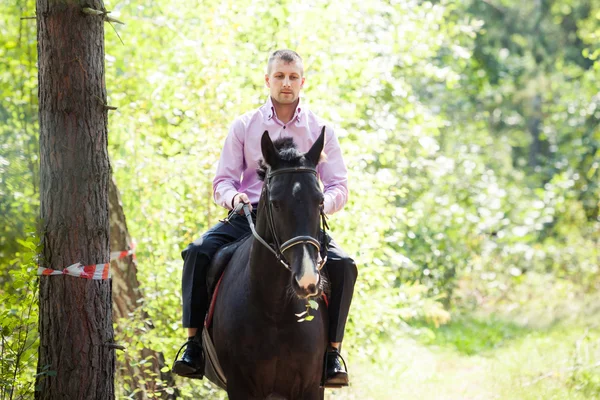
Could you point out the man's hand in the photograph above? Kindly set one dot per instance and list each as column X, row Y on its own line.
column 241, row 198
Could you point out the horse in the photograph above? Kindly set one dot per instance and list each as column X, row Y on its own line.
column 264, row 352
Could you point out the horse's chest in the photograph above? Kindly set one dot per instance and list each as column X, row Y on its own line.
column 267, row 351
column 266, row 340
column 274, row 352
column 277, row 359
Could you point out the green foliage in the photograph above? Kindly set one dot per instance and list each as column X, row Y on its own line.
column 19, row 148
column 18, row 201
column 585, row 375
column 526, row 360
column 18, row 327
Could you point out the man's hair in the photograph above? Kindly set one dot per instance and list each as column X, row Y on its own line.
column 288, row 56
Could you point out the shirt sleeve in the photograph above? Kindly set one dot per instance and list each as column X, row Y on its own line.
column 333, row 174
column 230, row 167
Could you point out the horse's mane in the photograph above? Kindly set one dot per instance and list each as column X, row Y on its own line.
column 287, row 151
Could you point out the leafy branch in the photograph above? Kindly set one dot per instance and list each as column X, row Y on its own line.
column 306, row 315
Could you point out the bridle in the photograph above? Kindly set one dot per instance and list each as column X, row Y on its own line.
column 278, row 249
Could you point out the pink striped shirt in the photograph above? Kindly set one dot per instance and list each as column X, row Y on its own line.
column 236, row 172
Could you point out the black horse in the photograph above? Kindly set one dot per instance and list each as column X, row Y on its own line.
column 264, row 352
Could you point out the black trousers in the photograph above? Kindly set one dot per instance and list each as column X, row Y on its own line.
column 340, row 269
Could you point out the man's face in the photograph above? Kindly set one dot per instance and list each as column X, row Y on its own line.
column 285, row 81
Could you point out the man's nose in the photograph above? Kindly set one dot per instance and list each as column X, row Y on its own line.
column 286, row 82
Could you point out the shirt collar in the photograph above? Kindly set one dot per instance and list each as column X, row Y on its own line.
column 270, row 108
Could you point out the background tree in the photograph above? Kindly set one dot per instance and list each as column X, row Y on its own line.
column 76, row 357
column 144, row 374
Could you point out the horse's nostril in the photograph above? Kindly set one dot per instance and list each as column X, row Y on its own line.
column 307, row 281
column 309, row 290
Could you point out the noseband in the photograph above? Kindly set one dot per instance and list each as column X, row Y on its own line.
column 278, row 249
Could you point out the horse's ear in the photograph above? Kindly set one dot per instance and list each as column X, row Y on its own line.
column 314, row 154
column 268, row 150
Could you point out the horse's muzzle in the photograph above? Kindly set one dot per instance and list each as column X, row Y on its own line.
column 306, row 291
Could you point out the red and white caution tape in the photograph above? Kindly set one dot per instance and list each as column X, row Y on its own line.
column 118, row 255
column 98, row 271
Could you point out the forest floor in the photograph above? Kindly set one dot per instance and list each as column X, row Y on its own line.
column 541, row 343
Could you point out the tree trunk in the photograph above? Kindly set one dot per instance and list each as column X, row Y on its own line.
column 75, row 360
column 534, row 123
column 128, row 304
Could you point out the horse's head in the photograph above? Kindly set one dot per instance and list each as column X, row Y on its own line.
column 291, row 203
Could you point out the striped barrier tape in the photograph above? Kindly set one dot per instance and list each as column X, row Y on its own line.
column 118, row 255
column 97, row 271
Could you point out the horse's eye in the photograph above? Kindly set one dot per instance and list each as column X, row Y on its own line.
column 275, row 204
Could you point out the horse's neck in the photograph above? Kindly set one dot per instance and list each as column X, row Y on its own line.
column 269, row 279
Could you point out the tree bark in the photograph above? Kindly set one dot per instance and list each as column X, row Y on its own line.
column 75, row 360
column 128, row 304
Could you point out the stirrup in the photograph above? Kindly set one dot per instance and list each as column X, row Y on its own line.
column 324, row 377
column 188, row 342
column 181, row 348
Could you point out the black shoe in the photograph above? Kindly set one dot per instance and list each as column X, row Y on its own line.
column 191, row 363
column 336, row 375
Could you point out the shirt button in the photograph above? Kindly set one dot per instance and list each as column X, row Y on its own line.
column 284, row 127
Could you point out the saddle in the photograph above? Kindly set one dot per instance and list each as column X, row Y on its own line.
column 219, row 262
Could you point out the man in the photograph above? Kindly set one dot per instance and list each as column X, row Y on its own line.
column 236, row 181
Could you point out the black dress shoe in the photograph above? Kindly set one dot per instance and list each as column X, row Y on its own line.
column 191, row 363
column 336, row 375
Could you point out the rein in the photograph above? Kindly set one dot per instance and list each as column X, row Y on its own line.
column 278, row 249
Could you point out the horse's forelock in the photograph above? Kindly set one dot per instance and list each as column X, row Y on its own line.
column 286, row 152
column 284, row 143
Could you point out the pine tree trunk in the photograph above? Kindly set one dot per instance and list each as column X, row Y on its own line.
column 142, row 379
column 534, row 125
column 75, row 360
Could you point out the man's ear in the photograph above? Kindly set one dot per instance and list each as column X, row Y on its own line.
column 314, row 154
column 268, row 150
column 267, row 81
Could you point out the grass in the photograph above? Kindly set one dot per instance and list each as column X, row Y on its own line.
column 491, row 354
column 469, row 335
